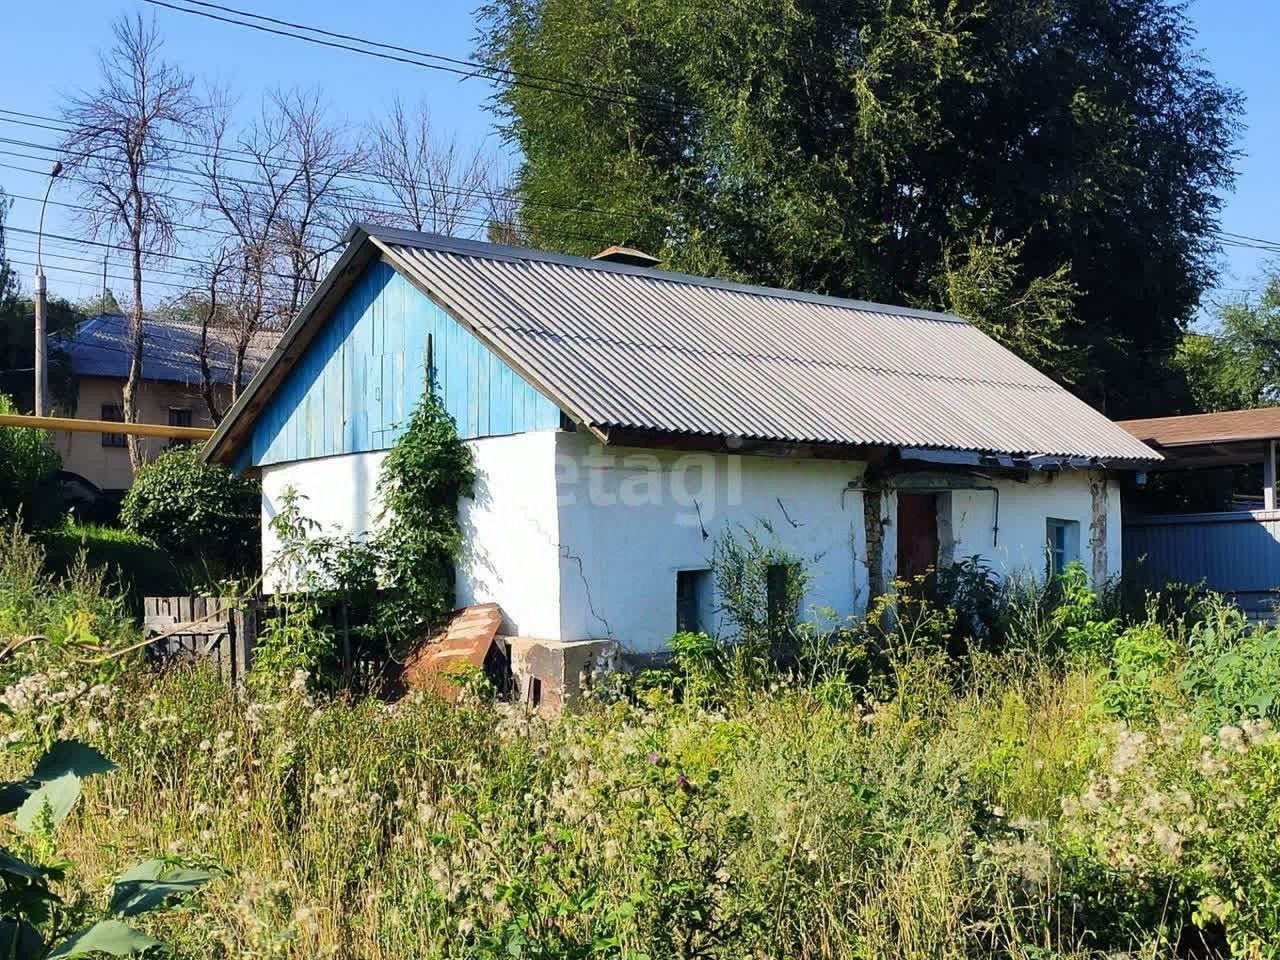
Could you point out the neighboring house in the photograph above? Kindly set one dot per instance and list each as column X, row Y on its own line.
column 1236, row 551
column 623, row 419
column 99, row 352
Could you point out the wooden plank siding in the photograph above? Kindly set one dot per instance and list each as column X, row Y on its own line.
column 358, row 381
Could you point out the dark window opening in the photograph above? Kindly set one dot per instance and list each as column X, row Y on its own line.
column 780, row 599
column 179, row 417
column 113, row 413
column 693, row 601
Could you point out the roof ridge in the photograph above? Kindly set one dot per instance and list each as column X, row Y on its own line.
column 496, row 251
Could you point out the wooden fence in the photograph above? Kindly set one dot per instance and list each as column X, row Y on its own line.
column 220, row 630
column 224, row 631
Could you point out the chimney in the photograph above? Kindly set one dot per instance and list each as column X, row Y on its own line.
column 628, row 255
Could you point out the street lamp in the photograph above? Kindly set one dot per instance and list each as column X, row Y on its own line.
column 42, row 308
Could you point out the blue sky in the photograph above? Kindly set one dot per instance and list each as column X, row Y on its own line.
column 1236, row 36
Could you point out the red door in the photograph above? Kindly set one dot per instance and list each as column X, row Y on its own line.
column 917, row 534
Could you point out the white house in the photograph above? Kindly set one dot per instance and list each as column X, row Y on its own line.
column 623, row 418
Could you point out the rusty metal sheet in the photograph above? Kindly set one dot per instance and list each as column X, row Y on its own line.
column 467, row 642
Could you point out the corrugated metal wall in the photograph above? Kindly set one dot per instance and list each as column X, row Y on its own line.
column 356, row 385
column 1232, row 553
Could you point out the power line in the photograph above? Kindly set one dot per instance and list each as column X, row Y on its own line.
column 278, row 305
column 471, row 69
column 1239, row 244
column 1244, row 236
column 477, row 220
column 476, row 67
column 83, row 209
column 154, row 270
column 238, row 155
column 146, row 253
column 261, row 187
column 98, row 274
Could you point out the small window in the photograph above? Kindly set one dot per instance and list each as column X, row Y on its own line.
column 179, row 417
column 779, row 579
column 1062, row 544
column 693, row 601
column 113, row 413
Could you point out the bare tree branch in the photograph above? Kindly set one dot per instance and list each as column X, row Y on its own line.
column 119, row 135
column 248, row 277
column 319, row 206
column 438, row 186
column 502, row 210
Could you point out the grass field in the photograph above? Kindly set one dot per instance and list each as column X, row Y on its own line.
column 1076, row 781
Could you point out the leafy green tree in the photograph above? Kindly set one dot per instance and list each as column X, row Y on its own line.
column 1237, row 365
column 983, row 280
column 28, row 474
column 104, row 302
column 8, row 279
column 846, row 146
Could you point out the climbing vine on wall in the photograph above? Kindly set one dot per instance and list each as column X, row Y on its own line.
column 397, row 581
column 423, row 478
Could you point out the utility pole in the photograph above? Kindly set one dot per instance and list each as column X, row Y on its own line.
column 41, row 348
column 42, row 310
column 102, row 303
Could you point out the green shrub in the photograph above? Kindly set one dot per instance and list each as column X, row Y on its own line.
column 1232, row 667
column 1141, row 686
column 74, row 622
column 28, row 474
column 973, row 590
column 1079, row 619
column 759, row 589
column 197, row 510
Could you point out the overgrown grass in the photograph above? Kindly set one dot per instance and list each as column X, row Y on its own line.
column 891, row 793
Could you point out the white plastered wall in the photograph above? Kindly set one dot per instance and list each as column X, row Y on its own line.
column 338, row 493
column 630, row 519
column 510, row 527
column 575, row 541
column 1025, row 507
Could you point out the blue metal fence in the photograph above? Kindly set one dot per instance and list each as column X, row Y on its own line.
column 1237, row 554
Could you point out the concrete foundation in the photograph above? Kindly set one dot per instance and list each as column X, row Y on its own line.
column 553, row 674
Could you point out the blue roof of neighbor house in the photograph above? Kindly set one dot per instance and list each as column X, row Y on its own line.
column 100, row 347
column 623, row 348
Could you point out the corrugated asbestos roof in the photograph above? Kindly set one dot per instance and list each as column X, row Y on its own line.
column 626, row 347
column 100, row 347
column 1229, row 426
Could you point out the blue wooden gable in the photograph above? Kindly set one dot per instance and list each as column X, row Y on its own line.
column 358, row 381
